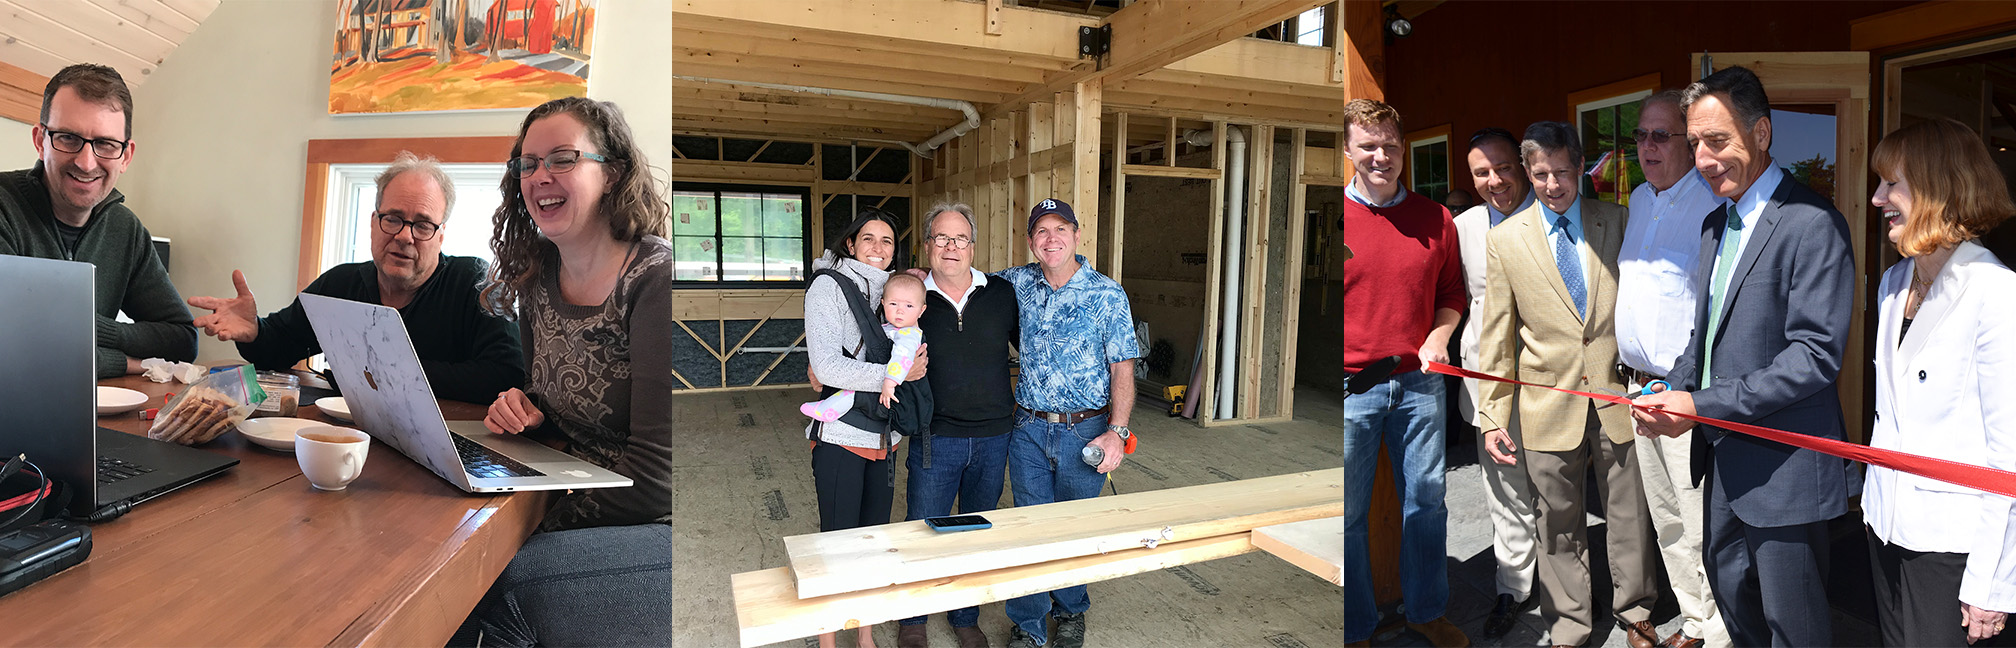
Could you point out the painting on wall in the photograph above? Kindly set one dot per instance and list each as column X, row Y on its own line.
column 395, row 56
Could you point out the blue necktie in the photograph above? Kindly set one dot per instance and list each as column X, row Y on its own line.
column 1571, row 268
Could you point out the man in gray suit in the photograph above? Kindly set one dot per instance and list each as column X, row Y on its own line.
column 1766, row 350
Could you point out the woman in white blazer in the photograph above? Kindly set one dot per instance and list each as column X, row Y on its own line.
column 1945, row 362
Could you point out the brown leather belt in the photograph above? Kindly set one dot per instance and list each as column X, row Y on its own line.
column 1073, row 417
column 1631, row 375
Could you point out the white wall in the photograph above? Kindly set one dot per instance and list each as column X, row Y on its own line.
column 222, row 129
column 17, row 145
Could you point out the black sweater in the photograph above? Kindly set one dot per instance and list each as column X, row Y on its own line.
column 969, row 360
column 469, row 355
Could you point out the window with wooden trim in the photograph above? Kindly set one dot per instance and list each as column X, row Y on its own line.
column 1604, row 118
column 1428, row 166
column 749, row 235
column 353, row 199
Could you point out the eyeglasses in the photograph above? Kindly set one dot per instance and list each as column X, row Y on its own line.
column 68, row 142
column 954, row 242
column 559, row 162
column 422, row 230
column 1657, row 136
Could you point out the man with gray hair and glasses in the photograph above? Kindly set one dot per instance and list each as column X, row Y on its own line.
column 970, row 321
column 468, row 353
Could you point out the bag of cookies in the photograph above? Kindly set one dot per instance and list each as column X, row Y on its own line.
column 218, row 402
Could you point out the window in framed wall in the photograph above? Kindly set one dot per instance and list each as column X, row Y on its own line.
column 1428, row 166
column 1609, row 155
column 738, row 235
column 353, row 200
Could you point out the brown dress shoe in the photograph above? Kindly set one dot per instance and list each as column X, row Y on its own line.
column 1680, row 640
column 1642, row 635
column 912, row 636
column 1442, row 634
column 972, row 637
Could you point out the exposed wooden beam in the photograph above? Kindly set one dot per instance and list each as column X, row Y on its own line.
column 21, row 94
column 788, row 75
column 945, row 23
column 875, row 63
column 687, row 25
column 747, row 172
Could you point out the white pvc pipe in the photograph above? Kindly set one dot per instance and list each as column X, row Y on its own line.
column 922, row 150
column 1235, row 235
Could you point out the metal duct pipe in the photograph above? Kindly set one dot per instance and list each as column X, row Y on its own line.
column 1235, row 241
column 922, row 150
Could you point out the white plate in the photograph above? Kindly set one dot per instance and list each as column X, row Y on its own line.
column 275, row 432
column 116, row 400
column 335, row 408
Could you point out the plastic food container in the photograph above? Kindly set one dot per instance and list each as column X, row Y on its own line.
column 283, row 393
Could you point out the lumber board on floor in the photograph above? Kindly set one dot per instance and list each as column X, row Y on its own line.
column 768, row 609
column 1314, row 545
column 906, row 552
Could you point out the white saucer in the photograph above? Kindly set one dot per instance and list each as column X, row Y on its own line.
column 335, row 408
column 275, row 432
column 117, row 400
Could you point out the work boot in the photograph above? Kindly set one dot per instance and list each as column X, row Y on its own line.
column 1071, row 630
column 972, row 637
column 1441, row 633
column 1017, row 638
column 912, row 636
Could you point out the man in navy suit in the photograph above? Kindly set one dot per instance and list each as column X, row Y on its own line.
column 1778, row 279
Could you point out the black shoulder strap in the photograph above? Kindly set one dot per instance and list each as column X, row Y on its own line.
column 864, row 315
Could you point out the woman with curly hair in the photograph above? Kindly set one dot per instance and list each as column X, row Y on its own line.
column 582, row 260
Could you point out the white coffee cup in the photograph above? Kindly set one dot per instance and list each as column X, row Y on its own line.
column 331, row 457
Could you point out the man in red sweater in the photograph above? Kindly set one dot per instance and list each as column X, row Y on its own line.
column 1403, row 295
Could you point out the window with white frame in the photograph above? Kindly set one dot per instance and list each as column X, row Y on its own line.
column 1311, row 26
column 1609, row 156
column 353, row 198
column 1428, row 167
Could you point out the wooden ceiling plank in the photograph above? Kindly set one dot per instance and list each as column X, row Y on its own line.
column 782, row 130
column 104, row 26
column 194, row 10
column 1145, row 86
column 893, row 112
column 152, row 16
column 19, row 25
column 1262, row 60
column 682, row 57
column 835, row 119
column 721, row 71
column 930, row 21
column 687, row 26
column 1150, row 34
column 798, row 52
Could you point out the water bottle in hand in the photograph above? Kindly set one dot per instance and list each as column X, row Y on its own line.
column 1093, row 455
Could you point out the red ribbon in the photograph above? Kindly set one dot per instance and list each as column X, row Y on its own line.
column 1951, row 472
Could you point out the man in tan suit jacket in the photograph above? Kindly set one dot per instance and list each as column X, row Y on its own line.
column 1548, row 320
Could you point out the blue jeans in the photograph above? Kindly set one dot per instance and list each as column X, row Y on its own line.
column 970, row 469
column 598, row 586
column 1044, row 466
column 1406, row 413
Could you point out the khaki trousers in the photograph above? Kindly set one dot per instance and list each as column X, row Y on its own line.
column 1515, row 521
column 1564, row 534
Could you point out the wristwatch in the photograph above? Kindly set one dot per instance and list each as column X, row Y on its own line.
column 1120, row 430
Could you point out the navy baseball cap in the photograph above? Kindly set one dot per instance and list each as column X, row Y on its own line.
column 1047, row 207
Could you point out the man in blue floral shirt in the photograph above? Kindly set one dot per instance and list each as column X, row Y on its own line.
column 1076, row 390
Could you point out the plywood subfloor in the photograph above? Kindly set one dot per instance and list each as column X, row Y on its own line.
column 743, row 481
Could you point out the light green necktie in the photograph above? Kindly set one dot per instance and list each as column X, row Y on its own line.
column 1725, row 263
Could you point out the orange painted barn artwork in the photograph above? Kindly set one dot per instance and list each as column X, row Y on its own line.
column 425, row 55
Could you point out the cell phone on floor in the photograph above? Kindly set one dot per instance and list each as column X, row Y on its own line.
column 950, row 523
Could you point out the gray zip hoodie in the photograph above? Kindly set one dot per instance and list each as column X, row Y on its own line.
column 830, row 332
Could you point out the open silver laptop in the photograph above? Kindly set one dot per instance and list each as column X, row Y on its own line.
column 373, row 361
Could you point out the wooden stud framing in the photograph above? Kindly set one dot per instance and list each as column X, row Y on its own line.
column 1119, row 234
column 1298, row 202
column 1259, row 200
column 1207, row 398
column 1085, row 167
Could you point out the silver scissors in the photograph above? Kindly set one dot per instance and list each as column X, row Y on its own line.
column 1633, row 395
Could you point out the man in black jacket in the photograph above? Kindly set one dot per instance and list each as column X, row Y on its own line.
column 468, row 353
column 969, row 324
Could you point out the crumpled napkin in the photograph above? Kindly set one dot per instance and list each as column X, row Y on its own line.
column 161, row 371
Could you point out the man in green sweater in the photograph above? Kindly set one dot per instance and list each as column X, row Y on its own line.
column 468, row 353
column 65, row 208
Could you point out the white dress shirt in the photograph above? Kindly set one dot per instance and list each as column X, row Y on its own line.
column 958, row 301
column 1656, row 272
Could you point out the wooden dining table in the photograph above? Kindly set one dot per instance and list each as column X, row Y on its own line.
column 257, row 556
